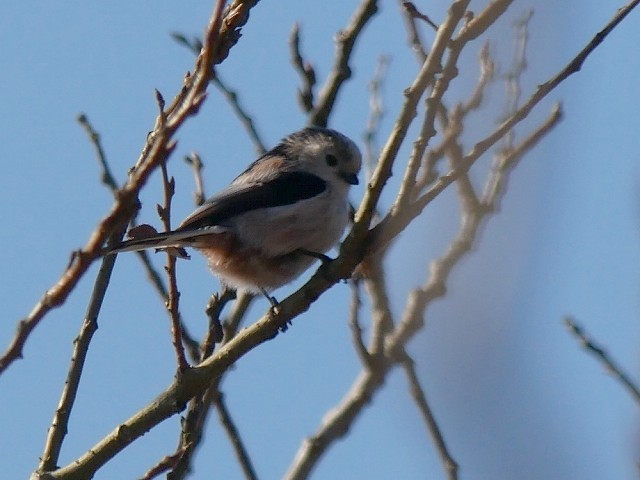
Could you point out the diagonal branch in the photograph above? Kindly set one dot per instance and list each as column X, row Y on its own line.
column 221, row 35
column 341, row 71
column 603, row 357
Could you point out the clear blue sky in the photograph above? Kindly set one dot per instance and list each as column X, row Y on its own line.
column 515, row 396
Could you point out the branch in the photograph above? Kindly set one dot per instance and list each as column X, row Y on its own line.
column 234, row 436
column 341, row 71
column 195, row 162
column 413, row 11
column 376, row 114
column 603, row 357
column 195, row 45
column 220, row 37
column 450, row 465
column 305, row 70
column 245, row 118
column 336, row 423
column 173, row 298
column 59, row 426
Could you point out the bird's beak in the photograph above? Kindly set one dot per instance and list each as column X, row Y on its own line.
column 350, row 178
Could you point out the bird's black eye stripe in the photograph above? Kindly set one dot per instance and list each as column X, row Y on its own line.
column 331, row 160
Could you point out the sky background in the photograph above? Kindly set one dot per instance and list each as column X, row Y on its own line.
column 514, row 394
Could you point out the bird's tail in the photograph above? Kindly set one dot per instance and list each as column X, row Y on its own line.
column 160, row 240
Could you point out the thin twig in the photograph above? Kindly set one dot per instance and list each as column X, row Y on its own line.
column 195, row 162
column 415, row 39
column 166, row 463
column 305, row 70
column 59, row 425
column 450, row 465
column 234, row 436
column 341, row 71
column 107, row 176
column 221, row 36
column 152, row 273
column 415, row 13
column 195, row 45
column 173, row 299
column 199, row 409
column 376, row 114
column 603, row 357
column 354, row 324
column 245, row 118
column 214, row 309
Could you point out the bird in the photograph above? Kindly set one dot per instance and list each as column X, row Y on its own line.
column 275, row 219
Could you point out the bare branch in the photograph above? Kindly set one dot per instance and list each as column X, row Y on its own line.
column 413, row 11
column 305, row 70
column 450, row 465
column 341, row 71
column 354, row 324
column 603, row 357
column 246, row 119
column 59, row 425
column 107, row 177
column 234, row 436
column 232, row 97
column 337, row 422
column 166, row 463
column 220, row 37
column 376, row 114
column 195, row 162
column 173, row 299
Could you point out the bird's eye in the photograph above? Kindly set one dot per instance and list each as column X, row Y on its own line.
column 331, row 160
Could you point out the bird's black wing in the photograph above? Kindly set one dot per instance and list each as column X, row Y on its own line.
column 285, row 189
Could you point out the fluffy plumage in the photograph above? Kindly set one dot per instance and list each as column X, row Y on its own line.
column 258, row 232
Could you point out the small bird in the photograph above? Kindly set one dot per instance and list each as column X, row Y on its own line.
column 276, row 218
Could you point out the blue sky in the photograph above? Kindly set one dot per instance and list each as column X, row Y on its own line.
column 515, row 396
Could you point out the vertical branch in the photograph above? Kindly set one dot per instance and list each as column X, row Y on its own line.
column 376, row 114
column 305, row 70
column 173, row 300
column 195, row 162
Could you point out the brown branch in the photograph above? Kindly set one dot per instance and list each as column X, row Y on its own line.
column 166, row 463
column 450, row 465
column 305, row 70
column 341, row 71
column 354, row 324
column 195, row 162
column 173, row 298
column 441, row 268
column 245, row 118
column 415, row 40
column 376, row 114
column 157, row 149
column 413, row 11
column 603, row 357
column 195, row 420
column 232, row 97
column 59, row 426
column 390, row 226
column 213, row 311
column 107, row 176
column 234, row 436
column 337, row 421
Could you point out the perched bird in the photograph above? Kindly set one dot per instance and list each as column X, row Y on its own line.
column 276, row 218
